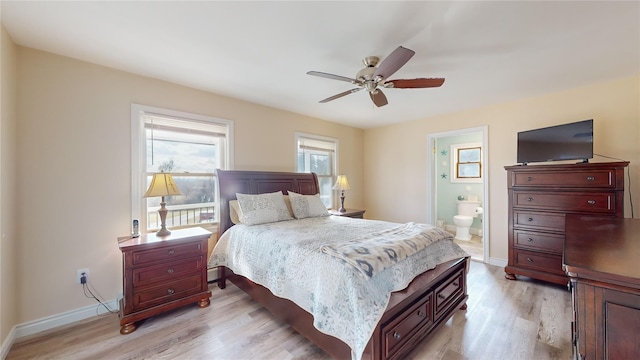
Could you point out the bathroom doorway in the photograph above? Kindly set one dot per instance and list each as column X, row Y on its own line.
column 457, row 170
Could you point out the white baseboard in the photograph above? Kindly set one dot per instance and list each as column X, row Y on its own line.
column 498, row 262
column 453, row 229
column 7, row 343
column 50, row 322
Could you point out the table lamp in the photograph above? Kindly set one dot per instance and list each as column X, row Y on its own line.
column 163, row 185
column 342, row 184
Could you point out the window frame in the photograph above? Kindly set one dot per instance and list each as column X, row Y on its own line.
column 334, row 168
column 455, row 163
column 139, row 162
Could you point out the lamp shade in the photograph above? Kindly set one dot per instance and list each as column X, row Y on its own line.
column 342, row 183
column 162, row 184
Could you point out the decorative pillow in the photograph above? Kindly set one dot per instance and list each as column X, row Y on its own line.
column 305, row 206
column 234, row 212
column 262, row 208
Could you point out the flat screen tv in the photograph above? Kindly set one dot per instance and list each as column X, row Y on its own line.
column 573, row 141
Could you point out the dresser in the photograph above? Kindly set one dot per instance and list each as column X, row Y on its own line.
column 162, row 273
column 540, row 196
column 601, row 257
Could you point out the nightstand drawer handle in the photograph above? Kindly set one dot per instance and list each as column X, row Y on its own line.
column 171, row 252
column 591, row 202
column 170, row 291
column 170, row 270
column 396, row 335
column 529, row 259
column 591, row 178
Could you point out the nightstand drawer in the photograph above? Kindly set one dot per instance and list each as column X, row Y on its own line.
column 147, row 297
column 539, row 241
column 168, row 253
column 165, row 272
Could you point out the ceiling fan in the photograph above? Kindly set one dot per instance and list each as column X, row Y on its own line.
column 374, row 77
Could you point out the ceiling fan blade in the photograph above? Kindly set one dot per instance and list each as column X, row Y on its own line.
column 415, row 83
column 340, row 95
column 332, row 76
column 393, row 62
column 378, row 98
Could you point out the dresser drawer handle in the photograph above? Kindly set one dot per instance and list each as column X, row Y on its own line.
column 529, row 178
column 530, row 219
column 422, row 314
column 171, row 252
column 591, row 178
column 456, row 284
column 529, row 199
column 529, row 259
column 396, row 335
column 591, row 202
column 441, row 297
column 530, row 239
column 170, row 291
column 170, row 270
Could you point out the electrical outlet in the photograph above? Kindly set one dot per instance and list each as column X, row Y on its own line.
column 79, row 275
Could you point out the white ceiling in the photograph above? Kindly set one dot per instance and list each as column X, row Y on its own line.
column 488, row 51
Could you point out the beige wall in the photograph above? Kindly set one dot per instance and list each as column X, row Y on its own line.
column 8, row 228
column 396, row 156
column 74, row 167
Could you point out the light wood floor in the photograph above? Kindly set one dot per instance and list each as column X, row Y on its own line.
column 523, row 319
column 473, row 247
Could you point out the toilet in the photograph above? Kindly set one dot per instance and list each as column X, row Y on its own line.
column 467, row 210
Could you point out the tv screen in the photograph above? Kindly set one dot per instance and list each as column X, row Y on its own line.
column 573, row 141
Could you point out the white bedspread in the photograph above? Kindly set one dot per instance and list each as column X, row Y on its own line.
column 286, row 258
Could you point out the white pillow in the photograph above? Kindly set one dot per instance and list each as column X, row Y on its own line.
column 262, row 208
column 305, row 206
column 234, row 212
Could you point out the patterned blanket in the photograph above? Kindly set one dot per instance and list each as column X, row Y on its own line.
column 285, row 257
column 376, row 252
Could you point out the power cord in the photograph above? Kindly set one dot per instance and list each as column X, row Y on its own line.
column 86, row 288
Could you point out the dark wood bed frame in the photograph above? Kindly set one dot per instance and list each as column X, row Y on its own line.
column 414, row 313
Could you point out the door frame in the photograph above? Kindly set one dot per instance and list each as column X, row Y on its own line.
column 432, row 176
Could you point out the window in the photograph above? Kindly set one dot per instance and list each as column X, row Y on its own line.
column 467, row 163
column 318, row 154
column 190, row 147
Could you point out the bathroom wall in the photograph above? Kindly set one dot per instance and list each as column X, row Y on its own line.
column 447, row 191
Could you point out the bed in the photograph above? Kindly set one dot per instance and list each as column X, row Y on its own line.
column 409, row 315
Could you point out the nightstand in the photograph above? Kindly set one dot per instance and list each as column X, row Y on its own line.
column 161, row 273
column 352, row 213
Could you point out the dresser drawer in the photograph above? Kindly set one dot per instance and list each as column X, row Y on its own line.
column 161, row 294
column 538, row 261
column 539, row 220
column 447, row 294
column 566, row 179
column 397, row 333
column 147, row 275
column 596, row 202
column 167, row 253
column 539, row 241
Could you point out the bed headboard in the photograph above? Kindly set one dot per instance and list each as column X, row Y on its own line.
column 231, row 182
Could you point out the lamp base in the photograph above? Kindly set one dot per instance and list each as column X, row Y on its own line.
column 163, row 232
column 342, row 209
